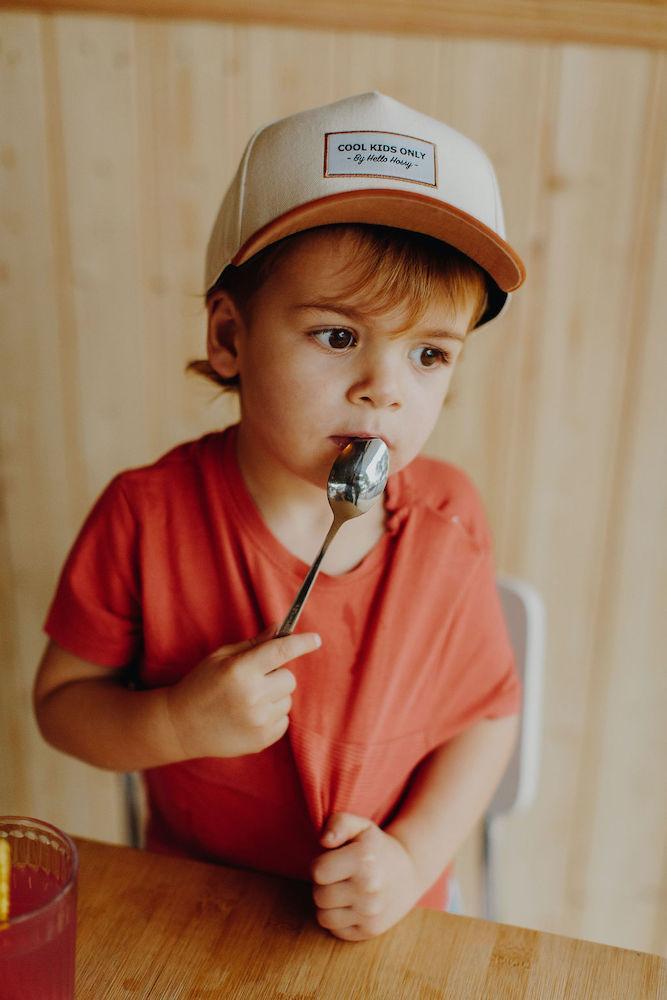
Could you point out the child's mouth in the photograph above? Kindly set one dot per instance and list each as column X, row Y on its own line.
column 341, row 442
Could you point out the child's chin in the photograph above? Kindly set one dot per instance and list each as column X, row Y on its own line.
column 319, row 477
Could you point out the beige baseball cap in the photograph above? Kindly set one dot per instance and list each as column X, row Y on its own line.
column 367, row 158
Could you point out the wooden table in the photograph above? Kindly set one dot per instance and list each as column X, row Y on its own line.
column 158, row 927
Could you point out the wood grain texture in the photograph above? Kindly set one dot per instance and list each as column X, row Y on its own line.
column 45, row 486
column 119, row 137
column 590, row 22
column 558, row 420
column 152, row 926
column 627, row 679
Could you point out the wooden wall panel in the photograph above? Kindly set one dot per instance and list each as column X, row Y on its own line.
column 561, row 442
column 626, row 736
column 580, row 342
column 593, row 22
column 45, row 485
column 118, row 140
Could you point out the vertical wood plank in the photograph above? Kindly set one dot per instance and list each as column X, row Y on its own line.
column 571, row 421
column 186, row 82
column 617, row 879
column 42, row 490
column 482, row 415
column 96, row 61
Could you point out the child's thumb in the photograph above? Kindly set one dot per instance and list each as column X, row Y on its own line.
column 266, row 633
column 343, row 827
column 256, row 640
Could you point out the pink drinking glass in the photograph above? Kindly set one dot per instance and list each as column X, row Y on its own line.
column 37, row 944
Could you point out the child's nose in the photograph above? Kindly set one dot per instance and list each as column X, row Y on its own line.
column 376, row 385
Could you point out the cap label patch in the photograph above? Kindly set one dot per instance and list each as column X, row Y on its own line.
column 379, row 154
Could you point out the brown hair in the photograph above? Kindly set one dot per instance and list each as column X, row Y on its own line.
column 390, row 266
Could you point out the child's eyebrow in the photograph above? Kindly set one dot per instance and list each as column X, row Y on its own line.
column 351, row 313
column 324, row 306
column 443, row 335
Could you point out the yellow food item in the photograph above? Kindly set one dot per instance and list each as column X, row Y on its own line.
column 5, row 869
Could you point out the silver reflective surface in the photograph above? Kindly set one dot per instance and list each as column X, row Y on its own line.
column 359, row 474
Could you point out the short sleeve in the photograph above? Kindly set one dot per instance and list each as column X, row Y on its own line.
column 475, row 676
column 96, row 611
column 485, row 683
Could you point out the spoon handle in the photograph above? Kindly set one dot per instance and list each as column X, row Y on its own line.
column 292, row 617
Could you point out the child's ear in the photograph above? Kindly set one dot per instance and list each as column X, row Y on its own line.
column 225, row 324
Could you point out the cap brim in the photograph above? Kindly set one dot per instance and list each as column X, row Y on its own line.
column 402, row 210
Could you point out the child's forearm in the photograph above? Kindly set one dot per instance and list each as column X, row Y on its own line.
column 116, row 728
column 234, row 702
column 450, row 792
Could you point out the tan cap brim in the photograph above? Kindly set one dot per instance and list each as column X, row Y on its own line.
column 403, row 210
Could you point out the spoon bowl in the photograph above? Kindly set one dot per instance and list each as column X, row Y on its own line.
column 358, row 477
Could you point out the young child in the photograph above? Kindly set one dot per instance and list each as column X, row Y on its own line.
column 358, row 245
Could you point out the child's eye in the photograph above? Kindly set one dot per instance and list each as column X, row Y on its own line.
column 430, row 357
column 335, row 338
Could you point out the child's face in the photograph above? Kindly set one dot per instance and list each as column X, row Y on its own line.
column 316, row 367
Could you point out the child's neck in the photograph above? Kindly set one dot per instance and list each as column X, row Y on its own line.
column 354, row 541
column 301, row 517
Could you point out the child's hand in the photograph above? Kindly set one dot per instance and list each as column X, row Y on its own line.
column 237, row 700
column 365, row 887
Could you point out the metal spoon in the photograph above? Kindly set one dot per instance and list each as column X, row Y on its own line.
column 357, row 478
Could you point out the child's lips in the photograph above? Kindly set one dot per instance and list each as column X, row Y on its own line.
column 341, row 441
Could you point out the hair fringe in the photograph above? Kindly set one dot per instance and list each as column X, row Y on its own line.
column 389, row 266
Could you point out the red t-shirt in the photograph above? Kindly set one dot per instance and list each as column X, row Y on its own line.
column 174, row 561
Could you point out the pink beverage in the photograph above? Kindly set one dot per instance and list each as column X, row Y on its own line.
column 37, row 945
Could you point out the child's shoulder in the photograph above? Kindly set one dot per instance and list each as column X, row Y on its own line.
column 185, row 464
column 449, row 493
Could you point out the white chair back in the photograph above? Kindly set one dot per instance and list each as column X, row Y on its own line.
column 525, row 617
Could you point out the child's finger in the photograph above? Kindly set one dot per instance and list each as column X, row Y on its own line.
column 234, row 648
column 328, row 897
column 337, row 919
column 279, row 709
column 342, row 827
column 279, row 683
column 335, row 866
column 266, row 633
column 275, row 653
